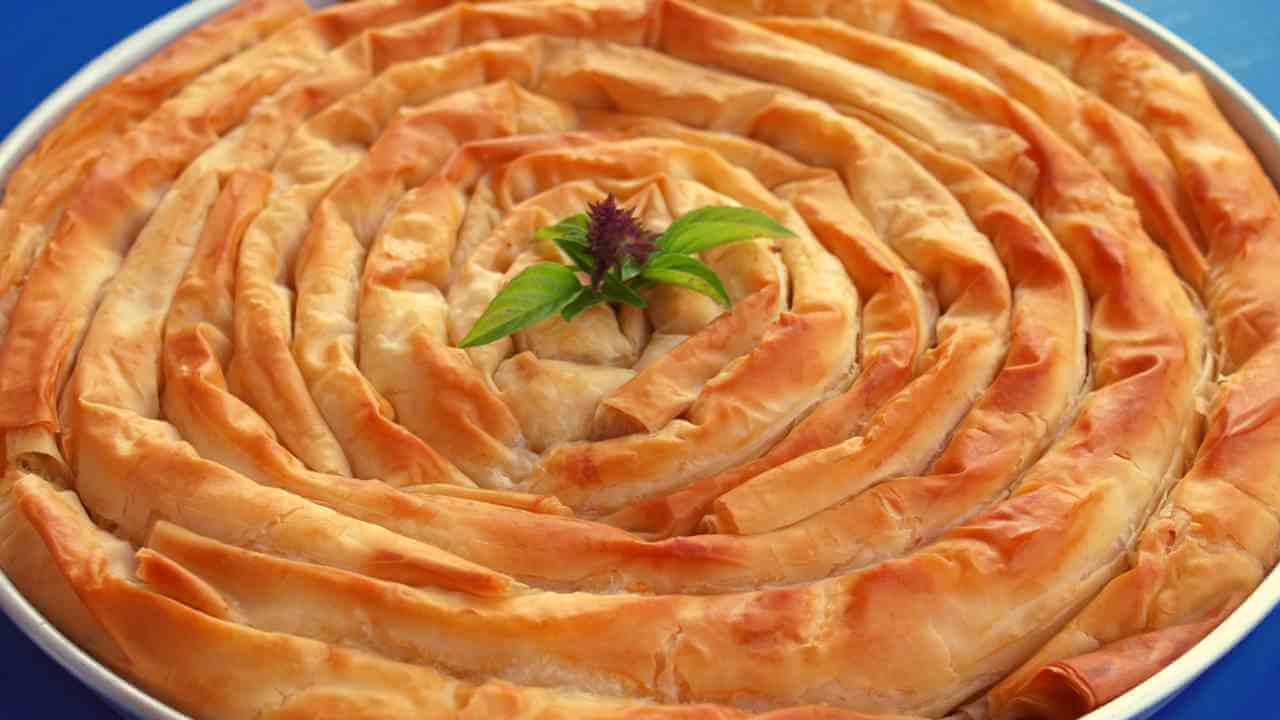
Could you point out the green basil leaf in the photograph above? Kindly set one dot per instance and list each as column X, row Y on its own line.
column 578, row 252
column 574, row 236
column 585, row 298
column 538, row 292
column 572, row 225
column 708, row 227
column 616, row 291
column 688, row 273
column 630, row 268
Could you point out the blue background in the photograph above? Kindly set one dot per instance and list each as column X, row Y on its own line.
column 48, row 41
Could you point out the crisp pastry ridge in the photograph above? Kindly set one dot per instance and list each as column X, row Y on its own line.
column 979, row 441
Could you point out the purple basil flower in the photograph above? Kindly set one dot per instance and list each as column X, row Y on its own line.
column 615, row 234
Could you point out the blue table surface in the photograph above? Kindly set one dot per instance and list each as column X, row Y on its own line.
column 50, row 40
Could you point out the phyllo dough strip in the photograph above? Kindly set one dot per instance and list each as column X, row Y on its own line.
column 117, row 196
column 39, row 188
column 897, row 320
column 264, row 372
column 1218, row 516
column 1113, row 142
column 821, row 306
column 158, row 612
column 976, row 365
column 329, row 269
column 132, row 469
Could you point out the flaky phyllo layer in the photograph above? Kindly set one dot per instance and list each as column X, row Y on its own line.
column 994, row 434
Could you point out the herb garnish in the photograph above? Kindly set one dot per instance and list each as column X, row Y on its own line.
column 620, row 257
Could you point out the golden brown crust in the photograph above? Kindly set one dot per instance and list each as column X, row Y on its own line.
column 28, row 564
column 668, row 387
column 1071, row 688
column 1210, row 517
column 1121, row 148
column 38, row 189
column 286, row 676
column 119, row 192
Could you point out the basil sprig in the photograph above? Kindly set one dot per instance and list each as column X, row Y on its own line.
column 620, row 257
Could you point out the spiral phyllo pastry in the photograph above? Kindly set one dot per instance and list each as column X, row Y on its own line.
column 990, row 432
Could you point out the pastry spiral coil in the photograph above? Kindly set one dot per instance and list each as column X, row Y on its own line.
column 986, row 436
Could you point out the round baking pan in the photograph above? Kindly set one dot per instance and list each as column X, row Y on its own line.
column 1258, row 127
